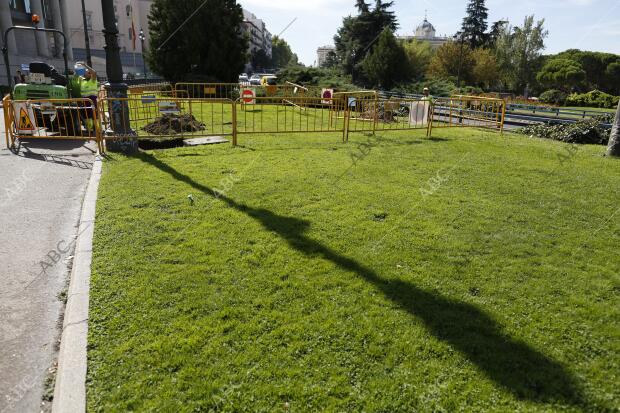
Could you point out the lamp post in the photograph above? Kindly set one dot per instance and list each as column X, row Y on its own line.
column 116, row 90
column 142, row 39
column 458, row 81
column 89, row 59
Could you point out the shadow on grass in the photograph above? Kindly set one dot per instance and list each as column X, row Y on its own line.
column 525, row 372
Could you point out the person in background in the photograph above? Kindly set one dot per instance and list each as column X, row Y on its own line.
column 86, row 87
column 19, row 77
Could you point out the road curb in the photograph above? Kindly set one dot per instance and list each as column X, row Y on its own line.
column 70, row 388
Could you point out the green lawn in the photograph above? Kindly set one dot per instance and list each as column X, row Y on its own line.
column 472, row 272
column 590, row 109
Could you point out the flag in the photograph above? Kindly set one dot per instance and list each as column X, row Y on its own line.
column 133, row 33
column 133, row 26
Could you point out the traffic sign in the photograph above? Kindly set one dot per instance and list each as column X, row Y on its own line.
column 148, row 99
column 169, row 107
column 24, row 118
column 327, row 95
column 248, row 96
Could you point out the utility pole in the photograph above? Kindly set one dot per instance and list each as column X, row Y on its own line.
column 89, row 59
column 120, row 127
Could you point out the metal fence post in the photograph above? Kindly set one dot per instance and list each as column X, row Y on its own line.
column 234, row 123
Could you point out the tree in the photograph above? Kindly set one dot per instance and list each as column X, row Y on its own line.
column 599, row 74
column 451, row 59
column 331, row 61
column 613, row 149
column 419, row 55
column 496, row 30
column 281, row 53
column 518, row 51
column 209, row 45
column 260, row 60
column 475, row 25
column 563, row 74
column 358, row 34
column 612, row 74
column 385, row 65
column 485, row 72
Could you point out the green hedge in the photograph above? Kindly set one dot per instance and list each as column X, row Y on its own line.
column 595, row 98
column 553, row 97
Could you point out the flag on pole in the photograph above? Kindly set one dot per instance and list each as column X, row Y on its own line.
column 133, row 26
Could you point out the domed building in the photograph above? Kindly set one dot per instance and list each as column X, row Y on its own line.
column 426, row 32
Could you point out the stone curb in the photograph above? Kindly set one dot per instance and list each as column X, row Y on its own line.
column 70, row 389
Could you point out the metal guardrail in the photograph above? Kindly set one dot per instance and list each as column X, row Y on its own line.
column 557, row 111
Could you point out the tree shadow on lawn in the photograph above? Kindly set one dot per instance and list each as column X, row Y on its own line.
column 511, row 363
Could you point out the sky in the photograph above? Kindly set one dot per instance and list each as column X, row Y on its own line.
column 583, row 24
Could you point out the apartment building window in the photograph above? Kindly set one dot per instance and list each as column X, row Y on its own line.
column 20, row 5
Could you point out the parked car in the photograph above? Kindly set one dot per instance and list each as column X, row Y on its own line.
column 243, row 78
column 255, row 80
column 269, row 80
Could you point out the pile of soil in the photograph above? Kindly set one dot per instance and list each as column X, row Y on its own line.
column 172, row 123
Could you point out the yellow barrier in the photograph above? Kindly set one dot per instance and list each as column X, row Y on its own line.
column 285, row 115
column 468, row 111
column 161, row 117
column 175, row 114
column 52, row 119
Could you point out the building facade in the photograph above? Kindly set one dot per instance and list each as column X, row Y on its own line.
column 322, row 53
column 130, row 15
column 66, row 16
column 425, row 32
column 258, row 35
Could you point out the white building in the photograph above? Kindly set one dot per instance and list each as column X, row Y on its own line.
column 425, row 32
column 322, row 54
column 258, row 35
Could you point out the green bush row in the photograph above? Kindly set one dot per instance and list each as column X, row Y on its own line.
column 595, row 98
column 583, row 132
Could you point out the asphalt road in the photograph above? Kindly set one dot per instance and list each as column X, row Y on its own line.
column 41, row 192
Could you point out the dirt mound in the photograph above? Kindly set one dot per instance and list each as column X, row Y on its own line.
column 172, row 123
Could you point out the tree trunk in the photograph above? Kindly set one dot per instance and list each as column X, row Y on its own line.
column 614, row 140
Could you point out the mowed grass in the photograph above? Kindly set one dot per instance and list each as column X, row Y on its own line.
column 470, row 271
column 267, row 115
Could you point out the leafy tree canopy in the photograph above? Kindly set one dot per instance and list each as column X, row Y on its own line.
column 386, row 64
column 210, row 45
column 358, row 35
column 563, row 74
column 474, row 27
column 282, row 55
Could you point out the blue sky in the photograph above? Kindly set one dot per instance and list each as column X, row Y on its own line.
column 583, row 24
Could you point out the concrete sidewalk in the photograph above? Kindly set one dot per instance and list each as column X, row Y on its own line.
column 41, row 193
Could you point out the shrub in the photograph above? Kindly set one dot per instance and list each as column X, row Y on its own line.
column 595, row 98
column 437, row 87
column 554, row 97
column 313, row 76
column 583, row 132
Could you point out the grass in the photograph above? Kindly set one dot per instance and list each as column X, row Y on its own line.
column 590, row 109
column 471, row 272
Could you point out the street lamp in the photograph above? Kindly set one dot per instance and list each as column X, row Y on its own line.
column 116, row 90
column 89, row 60
column 142, row 38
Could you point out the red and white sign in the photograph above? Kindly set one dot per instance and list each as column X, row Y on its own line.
column 248, row 96
column 327, row 95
